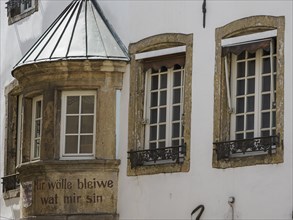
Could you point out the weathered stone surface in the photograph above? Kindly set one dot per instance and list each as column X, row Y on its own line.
column 69, row 187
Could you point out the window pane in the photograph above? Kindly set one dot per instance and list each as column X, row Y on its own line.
column 250, row 104
column 72, row 104
column 266, row 67
column 241, row 56
column 239, row 123
column 175, row 143
column 163, row 97
column 239, row 136
column 266, row 51
column 274, row 119
column 71, row 124
column 240, row 105
column 265, row 133
column 275, row 64
column 162, row 144
column 176, row 113
column 163, row 69
column 153, row 133
column 240, row 69
column 37, row 129
column 163, row 81
column 154, row 83
column 175, row 130
column 250, row 86
column 154, row 99
column 38, row 109
column 162, row 132
column 250, row 122
column 176, row 95
column 266, row 83
column 86, row 144
column 37, row 148
column 87, row 104
column 87, row 124
column 163, row 114
column 251, row 68
column 250, row 55
column 177, row 79
column 265, row 120
column 240, row 87
column 71, row 144
column 153, row 145
column 249, row 135
column 154, row 115
column 265, row 102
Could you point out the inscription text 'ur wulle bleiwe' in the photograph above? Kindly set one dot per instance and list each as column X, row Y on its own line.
column 73, row 190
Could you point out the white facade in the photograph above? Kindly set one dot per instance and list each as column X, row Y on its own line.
column 260, row 191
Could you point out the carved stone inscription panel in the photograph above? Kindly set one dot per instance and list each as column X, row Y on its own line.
column 75, row 193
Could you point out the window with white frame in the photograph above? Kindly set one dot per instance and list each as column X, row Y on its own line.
column 78, row 116
column 37, row 107
column 249, row 93
column 253, row 91
column 160, row 104
column 164, row 107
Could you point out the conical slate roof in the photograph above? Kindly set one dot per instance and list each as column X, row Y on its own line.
column 80, row 32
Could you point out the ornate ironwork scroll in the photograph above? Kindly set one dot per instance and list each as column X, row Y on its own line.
column 158, row 155
column 228, row 149
column 10, row 182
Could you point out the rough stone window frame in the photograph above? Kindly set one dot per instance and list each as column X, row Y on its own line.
column 24, row 14
column 12, row 92
column 241, row 27
column 136, row 100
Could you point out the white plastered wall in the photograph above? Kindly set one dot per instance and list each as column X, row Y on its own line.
column 261, row 192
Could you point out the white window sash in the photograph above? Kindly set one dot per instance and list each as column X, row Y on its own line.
column 67, row 156
column 33, row 138
column 272, row 71
column 228, row 85
column 169, row 107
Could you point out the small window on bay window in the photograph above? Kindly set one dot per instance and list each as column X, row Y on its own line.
column 36, row 127
column 78, row 124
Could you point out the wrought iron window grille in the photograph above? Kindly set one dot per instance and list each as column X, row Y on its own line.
column 174, row 154
column 10, row 182
column 246, row 147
